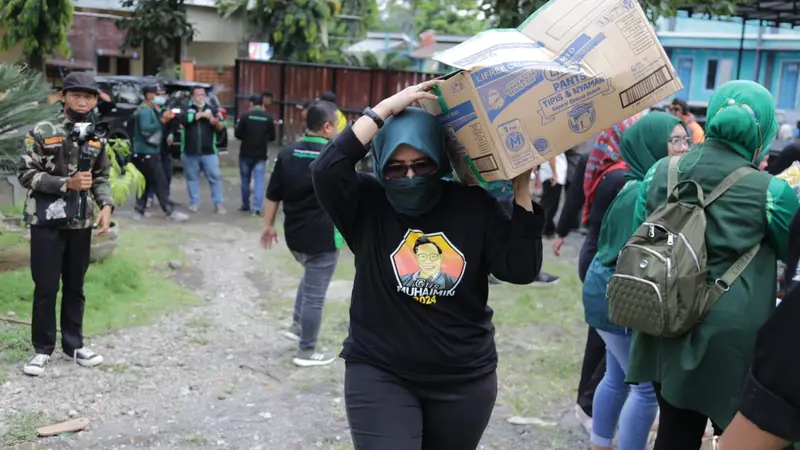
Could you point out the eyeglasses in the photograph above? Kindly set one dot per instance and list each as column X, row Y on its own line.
column 395, row 171
column 680, row 140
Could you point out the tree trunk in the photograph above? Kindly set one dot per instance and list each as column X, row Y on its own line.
column 36, row 61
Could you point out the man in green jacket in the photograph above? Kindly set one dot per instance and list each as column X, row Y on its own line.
column 700, row 375
column 147, row 156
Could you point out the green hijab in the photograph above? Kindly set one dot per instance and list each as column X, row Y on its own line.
column 742, row 114
column 643, row 144
column 421, row 130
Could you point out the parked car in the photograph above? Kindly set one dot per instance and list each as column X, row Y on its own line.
column 126, row 92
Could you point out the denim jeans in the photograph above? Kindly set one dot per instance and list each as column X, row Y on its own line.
column 252, row 170
column 310, row 296
column 209, row 165
column 632, row 407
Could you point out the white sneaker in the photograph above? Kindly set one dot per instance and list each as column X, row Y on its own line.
column 310, row 359
column 293, row 333
column 584, row 419
column 85, row 357
column 178, row 216
column 193, row 208
column 219, row 209
column 35, row 366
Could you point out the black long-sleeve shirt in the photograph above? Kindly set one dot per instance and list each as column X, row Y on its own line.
column 771, row 397
column 419, row 306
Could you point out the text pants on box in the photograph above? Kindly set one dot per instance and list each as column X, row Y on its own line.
column 150, row 167
column 310, row 297
column 58, row 256
column 209, row 165
column 254, row 170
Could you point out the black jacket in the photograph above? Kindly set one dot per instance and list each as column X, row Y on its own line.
column 198, row 136
column 255, row 129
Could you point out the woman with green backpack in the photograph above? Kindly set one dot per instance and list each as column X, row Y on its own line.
column 699, row 374
column 632, row 408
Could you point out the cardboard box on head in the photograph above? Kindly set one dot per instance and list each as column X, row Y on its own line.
column 521, row 97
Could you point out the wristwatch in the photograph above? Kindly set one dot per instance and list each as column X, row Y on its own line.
column 374, row 116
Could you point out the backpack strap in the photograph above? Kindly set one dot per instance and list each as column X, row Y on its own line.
column 723, row 283
column 672, row 174
column 729, row 181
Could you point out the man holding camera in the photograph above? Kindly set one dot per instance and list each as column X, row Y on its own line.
column 62, row 161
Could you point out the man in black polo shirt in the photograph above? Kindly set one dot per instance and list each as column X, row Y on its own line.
column 255, row 129
column 310, row 234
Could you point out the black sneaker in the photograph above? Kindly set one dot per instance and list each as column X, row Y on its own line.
column 293, row 333
column 312, row 358
column 244, row 208
column 545, row 279
column 256, row 213
column 85, row 357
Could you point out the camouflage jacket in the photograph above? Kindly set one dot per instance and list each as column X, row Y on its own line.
column 49, row 158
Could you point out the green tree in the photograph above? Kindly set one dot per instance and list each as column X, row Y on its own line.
column 160, row 25
column 23, row 103
column 303, row 30
column 443, row 16
column 40, row 26
column 511, row 13
column 394, row 61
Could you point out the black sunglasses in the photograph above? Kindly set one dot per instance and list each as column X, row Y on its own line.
column 395, row 171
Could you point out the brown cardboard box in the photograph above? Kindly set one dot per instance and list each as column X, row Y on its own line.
column 573, row 69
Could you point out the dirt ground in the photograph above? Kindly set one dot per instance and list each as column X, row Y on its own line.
column 218, row 375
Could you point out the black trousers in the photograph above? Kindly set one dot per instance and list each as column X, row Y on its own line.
column 166, row 166
column 150, row 166
column 678, row 428
column 58, row 256
column 551, row 197
column 593, row 368
column 386, row 412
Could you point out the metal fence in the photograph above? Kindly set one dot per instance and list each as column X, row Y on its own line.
column 295, row 83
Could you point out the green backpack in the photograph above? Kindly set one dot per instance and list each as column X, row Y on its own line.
column 660, row 285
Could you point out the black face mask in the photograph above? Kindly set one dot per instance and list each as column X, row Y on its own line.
column 76, row 116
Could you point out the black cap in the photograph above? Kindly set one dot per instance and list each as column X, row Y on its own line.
column 150, row 89
column 80, row 81
column 304, row 105
column 255, row 99
column 682, row 103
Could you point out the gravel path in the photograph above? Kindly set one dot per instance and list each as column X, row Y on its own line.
column 217, row 375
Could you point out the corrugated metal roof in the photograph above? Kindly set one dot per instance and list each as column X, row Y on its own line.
column 374, row 46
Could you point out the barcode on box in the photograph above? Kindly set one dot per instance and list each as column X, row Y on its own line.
column 485, row 163
column 646, row 86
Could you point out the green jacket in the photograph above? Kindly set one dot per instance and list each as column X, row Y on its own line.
column 48, row 160
column 705, row 370
column 147, row 124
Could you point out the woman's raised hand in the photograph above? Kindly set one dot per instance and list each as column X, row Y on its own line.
column 405, row 98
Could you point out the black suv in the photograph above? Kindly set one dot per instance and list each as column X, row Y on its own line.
column 126, row 92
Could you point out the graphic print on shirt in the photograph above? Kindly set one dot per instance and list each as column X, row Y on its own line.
column 427, row 266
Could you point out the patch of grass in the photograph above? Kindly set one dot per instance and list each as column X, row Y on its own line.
column 22, row 428
column 128, row 289
column 540, row 332
column 116, row 367
column 15, row 343
column 195, row 438
column 10, row 210
column 9, row 239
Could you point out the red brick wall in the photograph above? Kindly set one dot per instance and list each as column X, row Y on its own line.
column 221, row 78
column 89, row 34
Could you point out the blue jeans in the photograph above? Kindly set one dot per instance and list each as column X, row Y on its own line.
column 209, row 165
column 310, row 297
column 255, row 170
column 632, row 407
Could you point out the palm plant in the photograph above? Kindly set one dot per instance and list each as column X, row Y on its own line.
column 23, row 103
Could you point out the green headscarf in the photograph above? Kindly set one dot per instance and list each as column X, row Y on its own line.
column 421, row 130
column 646, row 142
column 742, row 114
column 643, row 144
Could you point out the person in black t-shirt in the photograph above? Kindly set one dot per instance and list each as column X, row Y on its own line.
column 310, row 234
column 420, row 355
column 255, row 129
